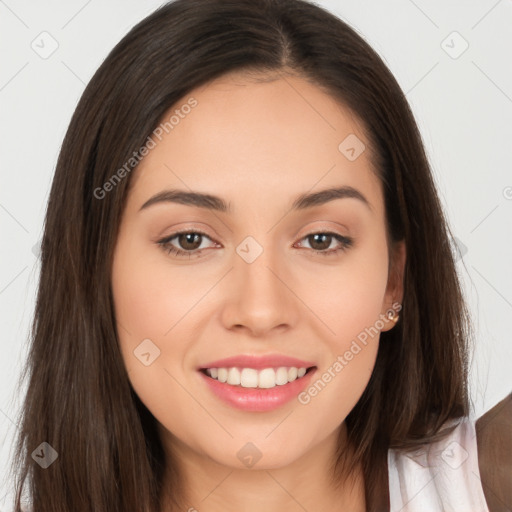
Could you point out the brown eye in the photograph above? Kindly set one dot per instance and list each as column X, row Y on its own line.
column 320, row 241
column 189, row 241
column 185, row 243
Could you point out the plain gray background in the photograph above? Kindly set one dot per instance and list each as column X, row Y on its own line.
column 461, row 97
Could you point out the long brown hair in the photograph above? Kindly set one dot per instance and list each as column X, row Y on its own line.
column 79, row 399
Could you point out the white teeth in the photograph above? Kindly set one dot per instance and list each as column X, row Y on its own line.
column 267, row 378
column 252, row 378
column 249, row 378
column 234, row 377
column 292, row 373
column 222, row 375
column 282, row 376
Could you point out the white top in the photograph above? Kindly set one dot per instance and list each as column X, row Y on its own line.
column 439, row 477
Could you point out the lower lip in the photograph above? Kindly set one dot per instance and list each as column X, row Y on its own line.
column 258, row 399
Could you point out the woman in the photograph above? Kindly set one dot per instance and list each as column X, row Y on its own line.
column 248, row 298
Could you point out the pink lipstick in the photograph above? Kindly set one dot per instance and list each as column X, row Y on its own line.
column 257, row 383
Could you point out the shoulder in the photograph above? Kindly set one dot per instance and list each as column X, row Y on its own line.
column 494, row 442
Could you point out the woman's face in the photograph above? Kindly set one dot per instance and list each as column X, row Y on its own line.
column 252, row 281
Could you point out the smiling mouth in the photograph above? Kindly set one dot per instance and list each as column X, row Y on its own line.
column 265, row 378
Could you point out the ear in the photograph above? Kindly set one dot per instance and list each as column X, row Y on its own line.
column 395, row 288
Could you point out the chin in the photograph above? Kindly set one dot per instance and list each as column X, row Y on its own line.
column 257, row 455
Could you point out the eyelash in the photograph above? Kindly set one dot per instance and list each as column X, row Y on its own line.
column 345, row 242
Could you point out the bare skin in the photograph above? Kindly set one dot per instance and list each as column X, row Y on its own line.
column 258, row 146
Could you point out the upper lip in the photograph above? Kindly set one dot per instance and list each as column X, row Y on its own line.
column 258, row 362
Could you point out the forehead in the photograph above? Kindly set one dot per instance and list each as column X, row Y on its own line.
column 272, row 136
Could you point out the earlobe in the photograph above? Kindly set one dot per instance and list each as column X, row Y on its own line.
column 391, row 316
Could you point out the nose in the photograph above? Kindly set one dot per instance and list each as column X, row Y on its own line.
column 260, row 297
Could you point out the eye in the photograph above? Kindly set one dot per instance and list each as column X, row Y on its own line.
column 189, row 240
column 323, row 240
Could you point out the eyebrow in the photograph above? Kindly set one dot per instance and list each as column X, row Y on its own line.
column 211, row 202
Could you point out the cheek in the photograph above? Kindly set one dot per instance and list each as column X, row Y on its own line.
column 149, row 301
column 147, row 306
column 347, row 297
column 149, row 297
